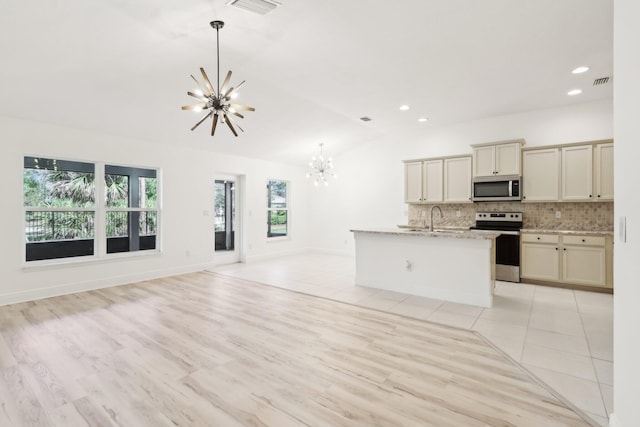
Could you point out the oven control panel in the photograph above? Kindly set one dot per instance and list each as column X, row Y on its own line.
column 499, row 216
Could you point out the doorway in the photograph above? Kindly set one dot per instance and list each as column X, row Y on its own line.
column 225, row 220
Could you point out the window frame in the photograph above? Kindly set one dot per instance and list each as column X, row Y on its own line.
column 99, row 210
column 275, row 237
column 133, row 213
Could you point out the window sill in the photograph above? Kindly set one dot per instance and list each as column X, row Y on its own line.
column 86, row 260
column 278, row 239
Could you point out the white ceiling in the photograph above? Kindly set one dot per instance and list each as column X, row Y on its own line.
column 313, row 67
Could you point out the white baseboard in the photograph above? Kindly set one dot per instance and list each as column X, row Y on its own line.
column 88, row 285
column 613, row 421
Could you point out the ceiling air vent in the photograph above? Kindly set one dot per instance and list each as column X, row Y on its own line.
column 601, row 81
column 261, row 7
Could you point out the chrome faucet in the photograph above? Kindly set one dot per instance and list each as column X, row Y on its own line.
column 431, row 214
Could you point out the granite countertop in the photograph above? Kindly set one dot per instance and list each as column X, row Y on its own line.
column 454, row 232
column 567, row 232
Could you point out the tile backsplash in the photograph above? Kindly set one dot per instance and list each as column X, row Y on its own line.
column 588, row 216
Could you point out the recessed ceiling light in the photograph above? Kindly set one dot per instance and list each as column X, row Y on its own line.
column 573, row 92
column 423, row 119
column 404, row 107
column 580, row 70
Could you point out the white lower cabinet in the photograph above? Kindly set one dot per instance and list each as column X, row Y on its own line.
column 584, row 260
column 572, row 259
column 540, row 259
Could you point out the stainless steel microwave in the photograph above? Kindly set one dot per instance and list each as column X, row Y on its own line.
column 497, row 188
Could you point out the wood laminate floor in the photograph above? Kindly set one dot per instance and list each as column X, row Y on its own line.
column 209, row 350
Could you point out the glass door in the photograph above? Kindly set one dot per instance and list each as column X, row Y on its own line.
column 224, row 224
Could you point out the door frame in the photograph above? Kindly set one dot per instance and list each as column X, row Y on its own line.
column 238, row 253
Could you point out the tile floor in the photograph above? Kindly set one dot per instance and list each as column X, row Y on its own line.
column 564, row 337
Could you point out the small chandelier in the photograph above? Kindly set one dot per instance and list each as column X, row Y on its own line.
column 217, row 100
column 321, row 168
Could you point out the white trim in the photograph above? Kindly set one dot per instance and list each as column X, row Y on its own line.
column 71, row 288
column 284, row 238
column 65, row 262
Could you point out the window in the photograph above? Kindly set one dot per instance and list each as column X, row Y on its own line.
column 131, row 208
column 61, row 208
column 277, row 209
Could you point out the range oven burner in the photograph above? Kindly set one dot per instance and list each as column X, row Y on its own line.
column 508, row 224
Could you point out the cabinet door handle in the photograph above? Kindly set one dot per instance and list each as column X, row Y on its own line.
column 598, row 195
column 590, row 195
column 556, row 249
column 583, row 240
column 538, row 238
column 524, row 197
column 564, row 249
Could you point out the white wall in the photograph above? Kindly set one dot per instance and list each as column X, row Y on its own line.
column 369, row 191
column 187, row 191
column 626, row 344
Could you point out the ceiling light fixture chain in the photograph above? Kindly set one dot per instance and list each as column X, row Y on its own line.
column 218, row 99
column 321, row 168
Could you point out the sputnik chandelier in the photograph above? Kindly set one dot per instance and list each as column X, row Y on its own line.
column 321, row 169
column 217, row 100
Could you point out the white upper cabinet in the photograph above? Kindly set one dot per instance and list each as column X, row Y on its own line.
column 577, row 173
column 413, row 182
column 541, row 175
column 457, row 180
column 484, row 161
column 568, row 173
column 438, row 180
column 497, row 159
column 433, row 181
column 604, row 171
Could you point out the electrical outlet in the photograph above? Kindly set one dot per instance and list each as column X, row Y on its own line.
column 458, row 214
column 423, row 214
column 558, row 214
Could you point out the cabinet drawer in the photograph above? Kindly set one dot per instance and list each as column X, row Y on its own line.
column 583, row 240
column 540, row 238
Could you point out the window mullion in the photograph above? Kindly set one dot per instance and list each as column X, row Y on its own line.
column 100, row 241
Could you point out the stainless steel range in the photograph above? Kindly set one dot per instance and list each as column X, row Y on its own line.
column 508, row 224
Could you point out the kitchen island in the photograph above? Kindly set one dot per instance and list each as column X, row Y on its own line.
column 450, row 265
